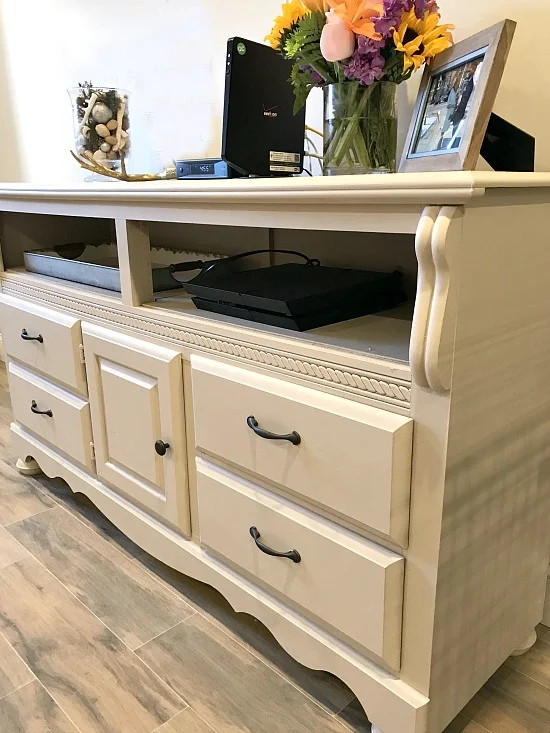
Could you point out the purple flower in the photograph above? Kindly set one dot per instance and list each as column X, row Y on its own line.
column 369, row 45
column 366, row 68
column 421, row 6
column 316, row 78
column 393, row 11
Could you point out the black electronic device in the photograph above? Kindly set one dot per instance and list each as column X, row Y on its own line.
column 261, row 134
column 205, row 168
column 297, row 296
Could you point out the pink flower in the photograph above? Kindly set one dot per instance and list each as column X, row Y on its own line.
column 337, row 39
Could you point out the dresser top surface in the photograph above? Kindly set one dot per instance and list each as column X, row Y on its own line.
column 432, row 188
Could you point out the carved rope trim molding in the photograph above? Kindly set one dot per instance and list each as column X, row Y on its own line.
column 396, row 392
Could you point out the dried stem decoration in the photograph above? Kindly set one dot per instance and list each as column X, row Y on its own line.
column 87, row 162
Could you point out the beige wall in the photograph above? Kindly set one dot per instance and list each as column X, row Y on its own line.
column 524, row 96
column 170, row 54
column 10, row 169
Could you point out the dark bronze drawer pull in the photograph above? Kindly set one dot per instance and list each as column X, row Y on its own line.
column 25, row 336
column 161, row 447
column 34, row 408
column 293, row 555
column 252, row 423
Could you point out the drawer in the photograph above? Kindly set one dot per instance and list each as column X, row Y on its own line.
column 68, row 428
column 352, row 585
column 56, row 353
column 352, row 459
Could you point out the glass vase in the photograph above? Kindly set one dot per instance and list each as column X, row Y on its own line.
column 101, row 124
column 360, row 128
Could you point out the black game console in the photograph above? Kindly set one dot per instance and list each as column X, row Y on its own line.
column 294, row 296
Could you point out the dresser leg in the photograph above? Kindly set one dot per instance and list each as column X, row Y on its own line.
column 28, row 467
column 527, row 644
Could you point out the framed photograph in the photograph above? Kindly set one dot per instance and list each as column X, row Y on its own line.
column 455, row 102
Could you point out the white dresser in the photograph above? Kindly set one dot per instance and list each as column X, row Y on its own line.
column 375, row 492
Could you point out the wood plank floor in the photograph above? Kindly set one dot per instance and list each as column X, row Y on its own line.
column 98, row 637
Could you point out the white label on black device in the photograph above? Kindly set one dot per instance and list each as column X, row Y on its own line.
column 276, row 157
column 284, row 168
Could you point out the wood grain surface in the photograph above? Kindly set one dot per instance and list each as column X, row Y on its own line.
column 10, row 549
column 86, row 512
column 511, row 703
column 18, row 499
column 186, row 722
column 325, row 689
column 231, row 689
column 14, row 673
column 101, row 685
column 127, row 599
column 32, row 710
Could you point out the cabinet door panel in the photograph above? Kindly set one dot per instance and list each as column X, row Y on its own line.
column 136, row 399
column 129, row 441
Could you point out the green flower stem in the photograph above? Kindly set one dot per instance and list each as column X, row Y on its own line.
column 351, row 127
column 360, row 127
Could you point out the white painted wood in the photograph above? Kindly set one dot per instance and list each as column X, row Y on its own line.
column 424, row 295
column 58, row 356
column 69, row 428
column 446, row 242
column 325, row 582
column 491, row 551
column 524, row 647
column 134, row 261
column 396, row 705
column 325, row 365
column 136, row 396
column 324, row 467
column 28, row 467
column 478, row 546
column 395, row 187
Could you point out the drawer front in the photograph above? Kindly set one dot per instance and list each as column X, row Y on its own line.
column 55, row 346
column 67, row 428
column 352, row 585
column 352, row 459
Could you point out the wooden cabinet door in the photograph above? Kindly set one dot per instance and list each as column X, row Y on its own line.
column 136, row 399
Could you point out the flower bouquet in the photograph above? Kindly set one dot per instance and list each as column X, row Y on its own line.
column 358, row 51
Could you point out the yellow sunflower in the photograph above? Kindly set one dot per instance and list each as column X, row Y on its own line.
column 321, row 5
column 291, row 13
column 420, row 39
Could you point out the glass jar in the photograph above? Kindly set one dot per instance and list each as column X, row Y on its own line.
column 360, row 128
column 101, row 123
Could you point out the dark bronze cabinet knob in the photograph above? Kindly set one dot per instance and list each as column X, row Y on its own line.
column 161, row 447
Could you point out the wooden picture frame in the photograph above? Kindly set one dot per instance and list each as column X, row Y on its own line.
column 489, row 49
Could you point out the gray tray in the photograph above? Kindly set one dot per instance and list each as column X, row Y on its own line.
column 98, row 266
